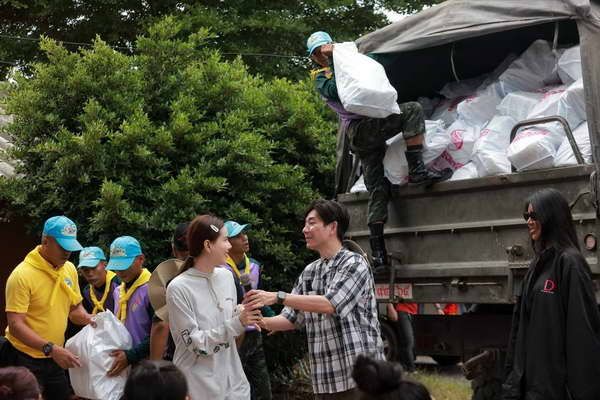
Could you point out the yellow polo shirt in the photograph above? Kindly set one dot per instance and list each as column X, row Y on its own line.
column 33, row 288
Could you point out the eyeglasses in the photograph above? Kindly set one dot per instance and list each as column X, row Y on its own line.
column 531, row 215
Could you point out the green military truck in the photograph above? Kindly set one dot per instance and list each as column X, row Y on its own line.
column 466, row 241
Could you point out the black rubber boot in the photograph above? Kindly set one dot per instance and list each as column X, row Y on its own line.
column 378, row 251
column 418, row 174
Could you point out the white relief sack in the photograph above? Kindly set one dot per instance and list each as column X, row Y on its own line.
column 489, row 152
column 565, row 155
column 535, row 68
column 359, row 186
column 467, row 171
column 93, row 347
column 567, row 102
column 460, row 149
column 395, row 166
column 571, row 104
column 436, row 140
column 569, row 65
column 446, row 111
column 519, row 104
column 479, row 108
column 362, row 84
column 535, row 147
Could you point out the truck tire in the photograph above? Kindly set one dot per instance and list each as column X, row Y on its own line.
column 390, row 341
column 446, row 361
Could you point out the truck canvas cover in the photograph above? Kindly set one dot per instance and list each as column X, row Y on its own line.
column 461, row 39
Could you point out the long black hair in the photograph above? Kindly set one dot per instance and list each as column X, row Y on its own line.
column 554, row 215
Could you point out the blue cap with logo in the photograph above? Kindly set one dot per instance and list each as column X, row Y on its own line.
column 64, row 231
column 123, row 252
column 89, row 257
column 317, row 40
column 234, row 229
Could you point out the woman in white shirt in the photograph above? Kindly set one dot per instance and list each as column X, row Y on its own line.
column 203, row 317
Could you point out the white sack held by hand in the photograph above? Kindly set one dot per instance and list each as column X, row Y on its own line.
column 362, row 84
column 93, row 346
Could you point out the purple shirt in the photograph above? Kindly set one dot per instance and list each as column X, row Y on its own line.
column 346, row 117
column 139, row 318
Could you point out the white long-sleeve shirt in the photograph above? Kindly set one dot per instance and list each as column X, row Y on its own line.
column 204, row 323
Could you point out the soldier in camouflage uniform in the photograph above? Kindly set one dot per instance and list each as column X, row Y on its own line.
column 367, row 136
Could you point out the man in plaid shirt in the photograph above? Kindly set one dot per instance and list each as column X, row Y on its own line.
column 333, row 299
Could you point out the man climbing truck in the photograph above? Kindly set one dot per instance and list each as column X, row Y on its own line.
column 367, row 138
column 465, row 241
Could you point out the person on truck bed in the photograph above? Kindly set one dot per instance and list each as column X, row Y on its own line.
column 554, row 348
column 367, row 138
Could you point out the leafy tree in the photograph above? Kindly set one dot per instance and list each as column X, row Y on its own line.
column 411, row 6
column 241, row 26
column 134, row 144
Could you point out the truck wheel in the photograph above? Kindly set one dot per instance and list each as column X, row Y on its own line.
column 390, row 341
column 446, row 361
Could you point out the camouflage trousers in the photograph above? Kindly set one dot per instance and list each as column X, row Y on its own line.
column 254, row 363
column 367, row 138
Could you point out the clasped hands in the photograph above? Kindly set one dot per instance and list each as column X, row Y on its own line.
column 254, row 300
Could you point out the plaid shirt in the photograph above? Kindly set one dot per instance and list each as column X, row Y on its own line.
column 335, row 340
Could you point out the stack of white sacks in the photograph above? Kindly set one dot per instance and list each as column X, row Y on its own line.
column 469, row 129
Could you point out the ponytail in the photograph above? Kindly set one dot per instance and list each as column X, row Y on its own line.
column 187, row 264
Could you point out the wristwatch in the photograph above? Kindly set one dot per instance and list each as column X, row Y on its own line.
column 281, row 297
column 47, row 349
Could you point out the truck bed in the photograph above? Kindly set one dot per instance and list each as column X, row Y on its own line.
column 466, row 241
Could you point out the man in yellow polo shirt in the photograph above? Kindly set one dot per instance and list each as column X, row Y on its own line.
column 42, row 292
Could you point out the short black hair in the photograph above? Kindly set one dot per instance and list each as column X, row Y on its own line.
column 554, row 215
column 155, row 380
column 180, row 237
column 383, row 380
column 331, row 211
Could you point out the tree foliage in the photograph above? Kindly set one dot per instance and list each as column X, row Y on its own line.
column 241, row 26
column 136, row 144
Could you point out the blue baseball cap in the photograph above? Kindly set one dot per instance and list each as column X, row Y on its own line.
column 123, row 251
column 89, row 257
column 234, row 229
column 317, row 40
column 64, row 231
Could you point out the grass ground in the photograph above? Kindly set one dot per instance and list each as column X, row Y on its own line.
column 444, row 387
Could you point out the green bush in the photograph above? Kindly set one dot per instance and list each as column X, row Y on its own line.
column 134, row 144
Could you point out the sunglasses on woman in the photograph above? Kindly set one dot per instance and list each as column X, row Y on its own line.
column 531, row 215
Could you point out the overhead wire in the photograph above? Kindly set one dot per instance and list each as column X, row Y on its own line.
column 127, row 48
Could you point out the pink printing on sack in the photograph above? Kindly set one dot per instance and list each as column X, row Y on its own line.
column 457, row 138
column 484, row 132
column 552, row 92
column 531, row 132
column 445, row 156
